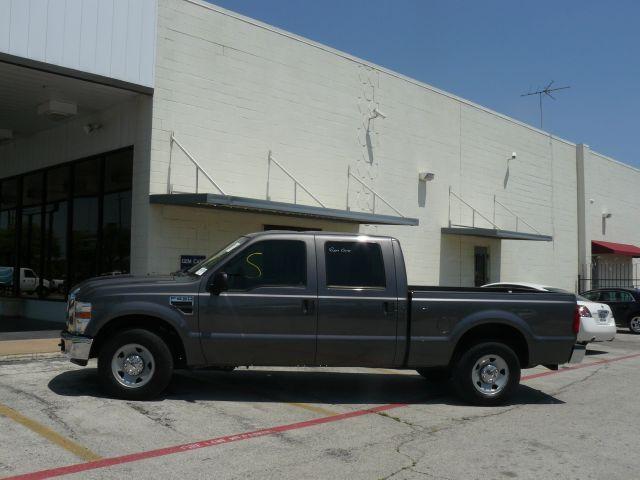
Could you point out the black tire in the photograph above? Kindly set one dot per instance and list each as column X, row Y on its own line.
column 634, row 323
column 477, row 392
column 435, row 374
column 160, row 366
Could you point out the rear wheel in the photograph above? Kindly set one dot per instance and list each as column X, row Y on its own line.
column 135, row 365
column 487, row 373
column 634, row 323
column 435, row 374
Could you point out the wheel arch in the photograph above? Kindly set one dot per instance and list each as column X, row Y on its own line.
column 156, row 325
column 496, row 331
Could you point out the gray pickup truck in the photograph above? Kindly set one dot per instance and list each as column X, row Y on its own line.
column 315, row 299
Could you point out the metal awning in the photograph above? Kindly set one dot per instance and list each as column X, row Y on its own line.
column 255, row 205
column 598, row 246
column 496, row 233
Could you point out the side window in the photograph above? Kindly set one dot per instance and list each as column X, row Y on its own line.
column 625, row 296
column 270, row 263
column 593, row 296
column 608, row 296
column 354, row 265
column 29, row 273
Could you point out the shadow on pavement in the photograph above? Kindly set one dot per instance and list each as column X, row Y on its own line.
column 595, row 352
column 271, row 386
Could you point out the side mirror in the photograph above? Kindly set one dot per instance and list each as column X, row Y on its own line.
column 219, row 283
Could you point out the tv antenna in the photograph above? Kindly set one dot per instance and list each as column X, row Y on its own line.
column 544, row 91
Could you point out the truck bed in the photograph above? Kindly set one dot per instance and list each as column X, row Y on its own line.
column 438, row 317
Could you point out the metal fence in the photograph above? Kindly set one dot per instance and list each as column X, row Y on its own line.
column 603, row 275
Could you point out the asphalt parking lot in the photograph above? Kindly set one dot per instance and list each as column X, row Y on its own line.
column 318, row 423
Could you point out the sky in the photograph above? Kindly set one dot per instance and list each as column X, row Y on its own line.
column 492, row 51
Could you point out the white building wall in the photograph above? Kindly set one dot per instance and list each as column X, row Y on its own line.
column 113, row 38
column 613, row 187
column 123, row 125
column 232, row 89
column 610, row 187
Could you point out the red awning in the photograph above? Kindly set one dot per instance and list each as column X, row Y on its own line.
column 617, row 248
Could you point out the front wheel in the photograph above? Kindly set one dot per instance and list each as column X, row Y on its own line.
column 135, row 365
column 634, row 323
column 487, row 374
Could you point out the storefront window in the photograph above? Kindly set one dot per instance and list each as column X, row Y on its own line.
column 31, row 239
column 8, row 204
column 62, row 225
column 55, row 225
column 116, row 222
column 85, row 218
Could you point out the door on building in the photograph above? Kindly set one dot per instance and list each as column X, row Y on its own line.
column 481, row 266
column 268, row 315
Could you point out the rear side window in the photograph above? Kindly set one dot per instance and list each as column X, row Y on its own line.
column 270, row 263
column 625, row 297
column 354, row 265
column 593, row 296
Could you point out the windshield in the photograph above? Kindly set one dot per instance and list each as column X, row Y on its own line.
column 216, row 258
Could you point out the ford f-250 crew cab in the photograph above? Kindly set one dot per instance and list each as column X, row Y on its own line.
column 316, row 299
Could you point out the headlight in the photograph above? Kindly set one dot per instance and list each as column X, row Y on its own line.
column 81, row 316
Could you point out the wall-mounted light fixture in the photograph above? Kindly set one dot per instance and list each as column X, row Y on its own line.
column 377, row 114
column 57, row 110
column 426, row 176
column 89, row 128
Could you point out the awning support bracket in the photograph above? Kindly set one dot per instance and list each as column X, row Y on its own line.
column 375, row 194
column 194, row 161
column 296, row 182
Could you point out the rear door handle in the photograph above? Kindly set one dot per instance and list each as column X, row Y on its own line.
column 307, row 306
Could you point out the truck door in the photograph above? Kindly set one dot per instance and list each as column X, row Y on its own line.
column 268, row 315
column 357, row 301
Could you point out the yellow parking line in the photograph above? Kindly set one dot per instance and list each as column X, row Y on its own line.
column 46, row 432
column 312, row 408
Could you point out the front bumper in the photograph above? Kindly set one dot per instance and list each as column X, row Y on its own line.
column 577, row 353
column 77, row 348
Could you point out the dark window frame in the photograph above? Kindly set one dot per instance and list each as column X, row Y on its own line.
column 332, row 286
column 242, row 252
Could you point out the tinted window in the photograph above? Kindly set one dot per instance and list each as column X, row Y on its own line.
column 607, row 297
column 591, row 295
column 270, row 263
column 625, row 297
column 354, row 264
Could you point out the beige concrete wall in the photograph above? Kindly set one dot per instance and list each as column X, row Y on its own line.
column 232, row 89
column 199, row 231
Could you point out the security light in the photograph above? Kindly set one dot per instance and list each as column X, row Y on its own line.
column 426, row 176
column 377, row 113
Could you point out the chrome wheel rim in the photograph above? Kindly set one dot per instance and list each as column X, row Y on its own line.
column 490, row 375
column 132, row 365
column 634, row 324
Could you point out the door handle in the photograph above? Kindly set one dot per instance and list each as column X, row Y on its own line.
column 385, row 308
column 307, row 306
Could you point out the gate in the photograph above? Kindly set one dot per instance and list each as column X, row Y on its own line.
column 603, row 275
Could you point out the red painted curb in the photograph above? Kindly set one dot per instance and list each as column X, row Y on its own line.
column 134, row 457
